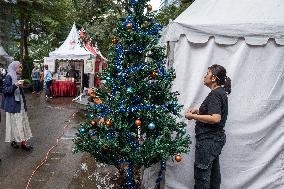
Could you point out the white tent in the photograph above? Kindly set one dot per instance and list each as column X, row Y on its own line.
column 5, row 55
column 247, row 38
column 71, row 48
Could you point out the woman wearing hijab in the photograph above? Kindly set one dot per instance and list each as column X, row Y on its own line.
column 18, row 131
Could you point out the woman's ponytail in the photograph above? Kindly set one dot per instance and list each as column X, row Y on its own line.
column 221, row 75
column 227, row 85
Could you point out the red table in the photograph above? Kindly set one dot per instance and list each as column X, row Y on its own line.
column 63, row 88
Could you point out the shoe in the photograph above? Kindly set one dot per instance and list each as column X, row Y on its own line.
column 26, row 147
column 33, row 92
column 51, row 97
column 14, row 145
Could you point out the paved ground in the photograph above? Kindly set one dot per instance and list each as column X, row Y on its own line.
column 63, row 169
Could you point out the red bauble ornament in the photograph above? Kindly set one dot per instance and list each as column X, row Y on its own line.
column 138, row 122
column 178, row 158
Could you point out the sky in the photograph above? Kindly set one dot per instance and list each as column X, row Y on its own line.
column 155, row 4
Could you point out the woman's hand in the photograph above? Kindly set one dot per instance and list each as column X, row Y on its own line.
column 193, row 110
column 189, row 115
column 19, row 83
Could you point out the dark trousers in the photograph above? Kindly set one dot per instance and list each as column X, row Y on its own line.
column 47, row 88
column 36, row 85
column 206, row 167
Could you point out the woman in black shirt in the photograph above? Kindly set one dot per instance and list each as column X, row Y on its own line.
column 210, row 122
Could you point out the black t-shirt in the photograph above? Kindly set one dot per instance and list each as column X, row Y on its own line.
column 215, row 103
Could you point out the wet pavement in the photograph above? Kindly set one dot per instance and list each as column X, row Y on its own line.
column 53, row 124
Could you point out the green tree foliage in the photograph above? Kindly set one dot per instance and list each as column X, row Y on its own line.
column 97, row 17
column 133, row 120
column 172, row 11
column 39, row 27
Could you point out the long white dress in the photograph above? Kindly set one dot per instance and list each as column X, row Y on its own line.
column 17, row 125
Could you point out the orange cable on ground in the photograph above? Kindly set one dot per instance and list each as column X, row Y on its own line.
column 47, row 154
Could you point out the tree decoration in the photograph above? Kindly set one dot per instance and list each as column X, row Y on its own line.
column 98, row 101
column 91, row 92
column 178, row 158
column 153, row 74
column 129, row 26
column 108, row 123
column 93, row 122
column 137, row 114
column 138, row 122
column 151, row 126
column 149, row 8
column 114, row 41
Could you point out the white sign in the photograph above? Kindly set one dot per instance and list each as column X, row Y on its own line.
column 89, row 66
column 50, row 62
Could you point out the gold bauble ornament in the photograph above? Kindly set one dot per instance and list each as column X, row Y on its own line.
column 178, row 158
column 129, row 26
column 149, row 8
column 94, row 123
column 114, row 41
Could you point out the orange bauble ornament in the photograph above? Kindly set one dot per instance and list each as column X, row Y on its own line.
column 153, row 74
column 138, row 122
column 98, row 101
column 178, row 158
column 114, row 41
column 91, row 92
column 108, row 123
column 94, row 123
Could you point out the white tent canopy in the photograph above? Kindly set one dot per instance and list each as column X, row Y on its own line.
column 247, row 38
column 3, row 52
column 71, row 48
column 228, row 20
column 5, row 55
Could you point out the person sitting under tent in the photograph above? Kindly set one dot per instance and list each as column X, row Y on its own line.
column 72, row 73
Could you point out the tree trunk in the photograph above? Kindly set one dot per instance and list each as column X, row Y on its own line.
column 137, row 177
column 24, row 33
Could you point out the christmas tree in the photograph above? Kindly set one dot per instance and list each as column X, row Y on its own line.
column 132, row 120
